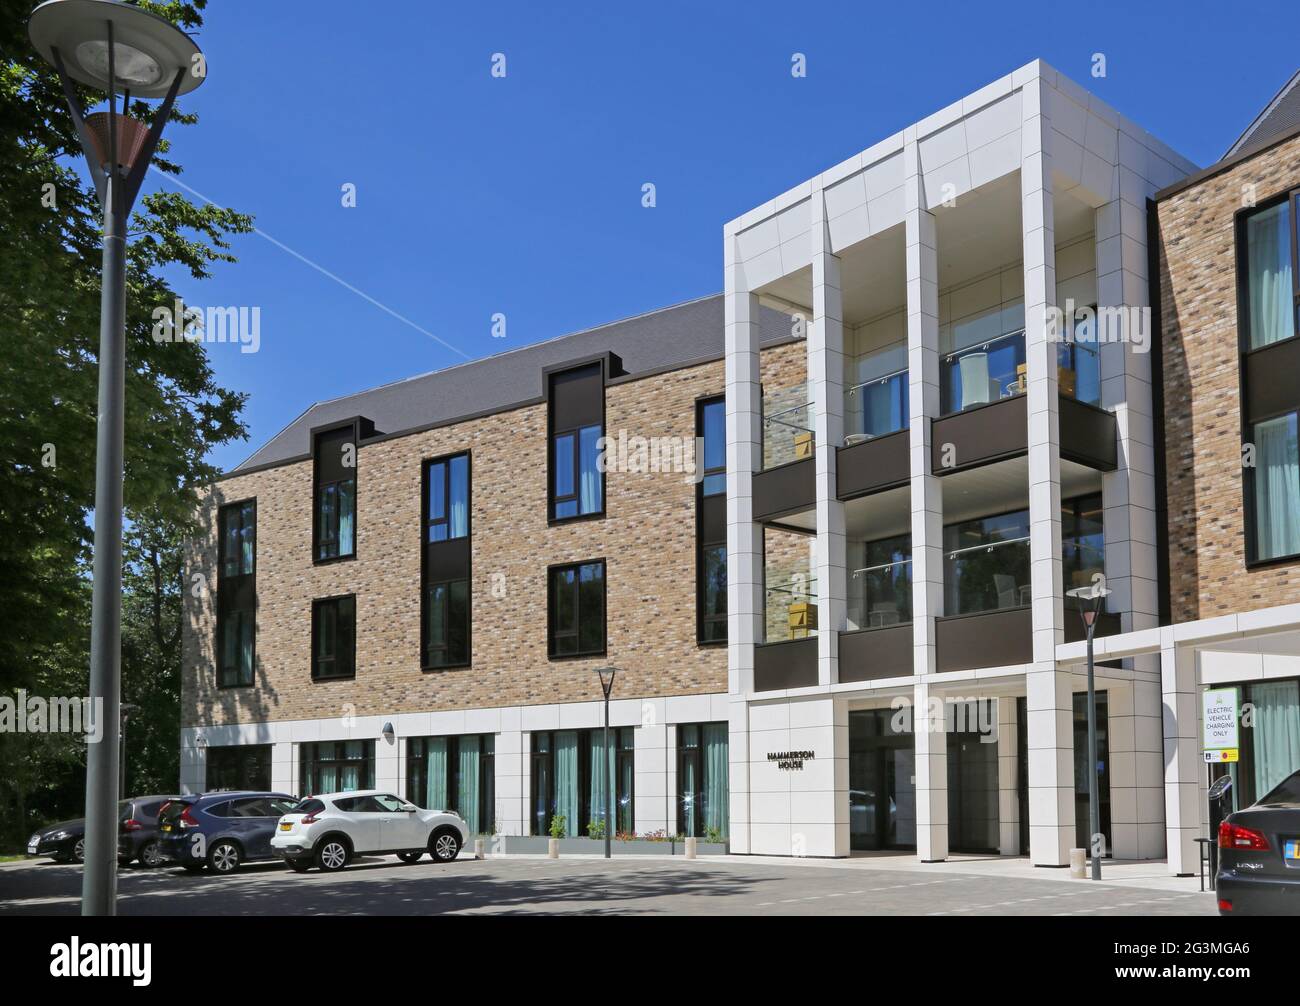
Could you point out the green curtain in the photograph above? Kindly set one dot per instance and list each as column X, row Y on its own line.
column 1277, row 733
column 435, row 773
column 688, row 786
column 1277, row 487
column 717, row 796
column 600, row 780
column 566, row 781
column 624, row 817
column 467, row 790
column 1268, row 255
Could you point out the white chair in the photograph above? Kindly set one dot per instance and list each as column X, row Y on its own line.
column 977, row 388
column 1006, row 588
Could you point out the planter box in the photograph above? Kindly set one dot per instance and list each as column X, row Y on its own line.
column 701, row 848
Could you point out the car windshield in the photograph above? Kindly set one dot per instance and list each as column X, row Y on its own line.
column 308, row 806
column 172, row 811
column 1286, row 792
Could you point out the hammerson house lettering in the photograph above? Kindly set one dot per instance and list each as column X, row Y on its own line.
column 791, row 761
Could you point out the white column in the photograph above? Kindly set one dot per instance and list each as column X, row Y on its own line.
column 652, row 757
column 1183, row 766
column 283, row 769
column 930, row 735
column 826, row 392
column 1008, row 778
column 1049, row 691
column 922, row 265
column 510, row 762
column 1122, row 734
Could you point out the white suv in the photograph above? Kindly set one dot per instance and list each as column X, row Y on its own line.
column 329, row 830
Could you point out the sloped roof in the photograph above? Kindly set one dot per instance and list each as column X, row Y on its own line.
column 1279, row 117
column 671, row 337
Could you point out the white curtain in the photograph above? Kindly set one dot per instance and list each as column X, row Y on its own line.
column 458, row 519
column 589, row 500
column 1268, row 256
column 566, row 781
column 435, row 778
column 347, row 504
column 1277, row 733
column 1277, row 487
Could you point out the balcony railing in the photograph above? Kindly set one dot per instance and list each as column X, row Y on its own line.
column 787, row 426
column 791, row 610
column 985, row 372
column 987, row 577
column 881, row 595
column 876, row 407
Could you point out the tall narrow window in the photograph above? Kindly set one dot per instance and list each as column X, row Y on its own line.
column 577, row 423
column 455, row 773
column 236, row 593
column 569, row 785
column 336, row 766
column 1271, row 285
column 1277, row 488
column 334, row 638
column 576, row 606
column 335, row 514
column 702, row 791
column 446, row 563
column 711, row 521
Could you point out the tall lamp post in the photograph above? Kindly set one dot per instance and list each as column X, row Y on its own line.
column 607, row 685
column 110, row 46
column 1092, row 600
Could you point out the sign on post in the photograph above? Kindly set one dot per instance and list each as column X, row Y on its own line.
column 1219, row 722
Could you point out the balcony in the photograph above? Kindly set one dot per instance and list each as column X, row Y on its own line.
column 787, row 484
column 790, row 610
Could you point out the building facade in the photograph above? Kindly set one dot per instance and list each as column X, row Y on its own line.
column 824, row 524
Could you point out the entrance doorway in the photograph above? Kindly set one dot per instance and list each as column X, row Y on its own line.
column 973, row 778
column 882, row 782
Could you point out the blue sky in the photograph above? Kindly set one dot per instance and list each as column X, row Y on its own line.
column 522, row 195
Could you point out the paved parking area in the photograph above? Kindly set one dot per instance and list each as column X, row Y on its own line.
column 731, row 886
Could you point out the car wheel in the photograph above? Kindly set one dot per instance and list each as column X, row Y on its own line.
column 410, row 857
column 444, row 846
column 299, row 865
column 151, row 855
column 332, row 855
column 79, row 851
column 224, row 857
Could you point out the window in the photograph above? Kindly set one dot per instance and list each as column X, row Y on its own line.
column 446, row 514
column 711, row 521
column 236, row 593
column 1276, row 488
column 334, row 637
column 576, row 606
column 576, row 423
column 1270, row 743
column 335, row 513
column 702, row 792
column 446, row 613
column 455, row 773
column 986, row 563
column 241, row 766
column 336, row 766
column 1083, row 543
column 880, row 591
column 1271, row 292
column 1078, row 363
column 567, row 780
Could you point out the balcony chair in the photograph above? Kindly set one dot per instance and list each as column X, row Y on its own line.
column 977, row 388
column 1005, row 584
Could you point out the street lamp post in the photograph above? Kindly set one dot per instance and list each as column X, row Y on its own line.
column 607, row 685
column 1091, row 600
column 110, row 46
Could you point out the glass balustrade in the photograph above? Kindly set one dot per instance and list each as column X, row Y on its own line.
column 787, row 425
column 880, row 595
column 876, row 407
column 791, row 610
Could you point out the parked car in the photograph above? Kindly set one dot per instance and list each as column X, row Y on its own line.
column 65, row 842
column 329, row 830
column 1259, row 855
column 221, row 831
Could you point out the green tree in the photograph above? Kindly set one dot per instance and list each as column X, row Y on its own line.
column 175, row 413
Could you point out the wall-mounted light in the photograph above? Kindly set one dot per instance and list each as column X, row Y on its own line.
column 388, row 732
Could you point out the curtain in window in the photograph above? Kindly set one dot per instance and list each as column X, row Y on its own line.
column 467, row 790
column 589, row 487
column 717, row 795
column 459, row 516
column 347, row 515
column 566, row 781
column 246, row 540
column 435, row 773
column 350, row 773
column 689, row 783
column 245, row 647
column 1277, row 733
column 1268, row 257
column 1277, row 487
column 623, row 794
column 327, row 779
column 600, row 780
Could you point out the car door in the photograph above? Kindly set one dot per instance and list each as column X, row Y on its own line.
column 250, row 824
column 360, row 817
column 399, row 828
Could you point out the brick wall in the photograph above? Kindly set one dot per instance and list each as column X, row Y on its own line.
column 1198, row 292
column 647, row 539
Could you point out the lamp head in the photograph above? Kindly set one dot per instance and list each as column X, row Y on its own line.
column 147, row 50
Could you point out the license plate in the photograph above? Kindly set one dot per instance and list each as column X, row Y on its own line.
column 32, row 847
column 285, row 826
column 1291, row 849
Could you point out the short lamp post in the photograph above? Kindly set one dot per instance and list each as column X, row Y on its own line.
column 1092, row 601
column 111, row 46
column 607, row 685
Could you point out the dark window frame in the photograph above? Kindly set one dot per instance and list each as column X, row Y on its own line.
column 576, row 632
column 417, row 784
column 309, row 761
column 354, row 426
column 1290, row 196
column 695, row 754
column 622, row 753
column 605, row 367
column 431, row 577
column 316, row 605
column 429, row 521
column 703, row 620
column 245, row 582
column 250, row 763
column 427, row 647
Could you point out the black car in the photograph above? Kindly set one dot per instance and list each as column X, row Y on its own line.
column 1259, row 855
column 137, row 834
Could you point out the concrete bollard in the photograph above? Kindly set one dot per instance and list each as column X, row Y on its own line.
column 480, row 849
column 552, row 848
column 1077, row 860
column 690, row 848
